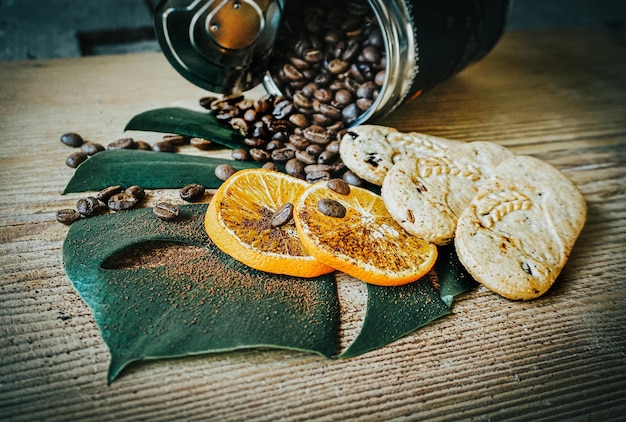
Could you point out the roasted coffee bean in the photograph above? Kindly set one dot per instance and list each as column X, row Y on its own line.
column 364, row 103
column 163, row 146
column 67, row 216
column 379, row 79
column 317, row 176
column 176, row 140
column 283, row 215
column 240, row 154
column 292, row 73
column 331, row 208
column 206, row 102
column 122, row 202
column 305, row 158
column 339, row 185
column 166, row 211
column 72, row 139
column 316, row 134
column 201, row 143
column 299, row 120
column 259, row 155
column 225, row 101
column 323, row 95
column 313, row 56
column 137, row 192
column 224, row 171
column 122, row 143
column 314, row 149
column 270, row 166
column 89, row 206
column 366, row 90
column 273, row 145
column 351, row 178
column 343, row 97
column 91, row 148
column 350, row 113
column 282, row 155
column 314, row 168
column 337, row 66
column 294, row 167
column 239, row 124
column 283, row 109
column 333, row 146
column 351, row 52
column 75, row 159
column 254, row 142
column 106, row 193
column 330, row 111
column 326, row 157
column 192, row 192
column 300, row 100
column 143, row 146
column 298, row 141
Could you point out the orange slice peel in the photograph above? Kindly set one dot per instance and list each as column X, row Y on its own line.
column 241, row 220
column 366, row 242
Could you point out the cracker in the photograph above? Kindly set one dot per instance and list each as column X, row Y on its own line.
column 371, row 150
column 519, row 229
column 427, row 194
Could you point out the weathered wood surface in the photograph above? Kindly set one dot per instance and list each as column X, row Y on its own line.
column 558, row 95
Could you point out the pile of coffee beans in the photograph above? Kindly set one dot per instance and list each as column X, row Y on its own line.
column 330, row 59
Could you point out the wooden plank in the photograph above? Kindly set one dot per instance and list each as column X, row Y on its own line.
column 559, row 95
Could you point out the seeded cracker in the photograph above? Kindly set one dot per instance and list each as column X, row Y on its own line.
column 519, row 229
column 427, row 194
column 371, row 150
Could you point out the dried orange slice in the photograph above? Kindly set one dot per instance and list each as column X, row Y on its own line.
column 242, row 221
column 365, row 242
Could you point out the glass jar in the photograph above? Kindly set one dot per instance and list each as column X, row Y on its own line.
column 425, row 42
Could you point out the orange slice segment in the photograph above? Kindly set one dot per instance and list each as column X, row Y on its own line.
column 239, row 221
column 366, row 243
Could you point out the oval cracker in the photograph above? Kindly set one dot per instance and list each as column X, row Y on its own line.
column 519, row 229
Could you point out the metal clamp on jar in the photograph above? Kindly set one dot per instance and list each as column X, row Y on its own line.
column 220, row 45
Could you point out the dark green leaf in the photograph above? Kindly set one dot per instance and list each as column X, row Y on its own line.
column 186, row 122
column 393, row 312
column 148, row 169
column 209, row 303
column 453, row 278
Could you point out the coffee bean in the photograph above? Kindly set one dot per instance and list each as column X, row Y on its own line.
column 314, row 149
column 75, row 159
column 326, row 157
column 176, row 140
column 343, row 97
column 122, row 143
column 72, row 139
column 259, row 155
column 67, row 216
column 299, row 120
column 106, row 193
column 323, row 95
column 351, row 113
column 166, row 211
column 91, row 148
column 143, row 146
column 122, row 202
column 163, row 146
column 364, row 104
column 283, row 109
column 298, row 141
column 339, row 185
column 337, row 66
column 305, row 158
column 205, row 102
column 201, row 144
column 317, row 176
column 240, row 154
column 224, row 171
column 331, row 208
column 137, row 192
column 89, row 206
column 282, row 155
column 333, row 146
column 270, row 166
column 351, row 178
column 294, row 167
column 192, row 192
column 379, row 79
column 283, row 215
column 316, row 134
column 313, row 56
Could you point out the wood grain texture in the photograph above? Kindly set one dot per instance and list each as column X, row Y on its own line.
column 557, row 95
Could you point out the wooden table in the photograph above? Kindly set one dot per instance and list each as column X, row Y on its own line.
column 557, row 95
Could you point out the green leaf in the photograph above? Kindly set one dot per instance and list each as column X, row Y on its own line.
column 208, row 303
column 394, row 312
column 186, row 122
column 148, row 169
